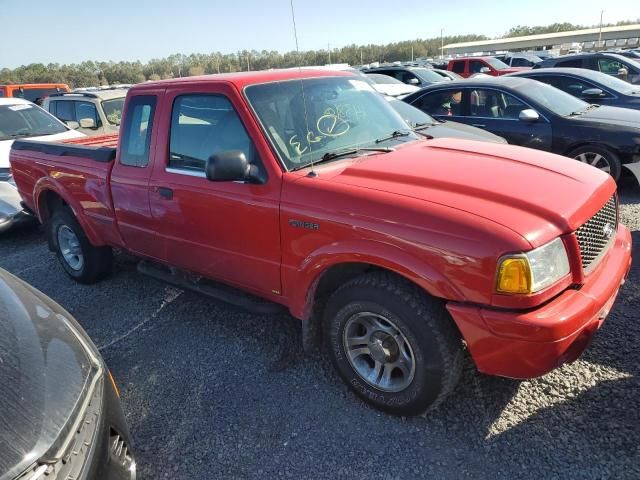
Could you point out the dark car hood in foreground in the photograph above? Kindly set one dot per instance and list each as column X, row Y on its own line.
column 46, row 364
column 622, row 117
column 537, row 195
column 461, row 130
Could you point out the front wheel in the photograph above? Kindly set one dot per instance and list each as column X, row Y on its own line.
column 82, row 261
column 599, row 157
column 394, row 346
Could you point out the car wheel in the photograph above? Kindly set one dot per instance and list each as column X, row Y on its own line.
column 599, row 157
column 81, row 260
column 396, row 347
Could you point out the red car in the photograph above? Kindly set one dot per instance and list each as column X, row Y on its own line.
column 306, row 189
column 465, row 67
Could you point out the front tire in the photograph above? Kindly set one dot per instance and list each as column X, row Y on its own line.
column 82, row 261
column 599, row 157
column 395, row 347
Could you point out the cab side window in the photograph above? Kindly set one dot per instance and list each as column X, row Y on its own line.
column 475, row 66
column 65, row 111
column 202, row 126
column 136, row 131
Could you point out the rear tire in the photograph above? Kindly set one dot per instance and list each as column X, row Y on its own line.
column 82, row 261
column 396, row 347
column 599, row 157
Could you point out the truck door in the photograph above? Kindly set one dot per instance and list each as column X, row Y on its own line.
column 131, row 173
column 227, row 231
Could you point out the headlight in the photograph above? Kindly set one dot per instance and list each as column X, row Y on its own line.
column 533, row 271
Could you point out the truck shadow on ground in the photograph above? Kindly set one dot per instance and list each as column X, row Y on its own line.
column 589, row 413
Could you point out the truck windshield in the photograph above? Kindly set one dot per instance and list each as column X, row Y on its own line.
column 27, row 120
column 495, row 63
column 113, row 110
column 308, row 118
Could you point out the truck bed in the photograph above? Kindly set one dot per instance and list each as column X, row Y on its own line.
column 100, row 148
column 80, row 168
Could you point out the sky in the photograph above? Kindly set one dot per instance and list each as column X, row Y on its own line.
column 71, row 31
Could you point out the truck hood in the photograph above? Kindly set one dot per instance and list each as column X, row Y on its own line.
column 537, row 195
column 5, row 145
column 621, row 117
column 46, row 363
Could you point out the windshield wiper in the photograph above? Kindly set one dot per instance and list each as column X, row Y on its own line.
column 394, row 134
column 351, row 151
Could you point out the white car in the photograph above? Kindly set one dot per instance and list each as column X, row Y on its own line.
column 390, row 86
column 21, row 118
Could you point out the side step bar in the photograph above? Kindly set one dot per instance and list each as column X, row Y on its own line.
column 209, row 288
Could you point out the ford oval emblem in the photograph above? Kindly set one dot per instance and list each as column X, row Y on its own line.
column 607, row 230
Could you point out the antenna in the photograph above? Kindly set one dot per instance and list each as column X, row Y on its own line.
column 312, row 173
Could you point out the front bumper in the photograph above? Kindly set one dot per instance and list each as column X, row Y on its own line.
column 531, row 343
column 11, row 211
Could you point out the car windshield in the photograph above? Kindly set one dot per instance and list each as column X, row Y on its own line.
column 426, row 74
column 609, row 81
column 306, row 119
column 113, row 110
column 27, row 120
column 383, row 79
column 551, row 98
column 495, row 63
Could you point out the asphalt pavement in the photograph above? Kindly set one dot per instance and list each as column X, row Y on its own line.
column 210, row 391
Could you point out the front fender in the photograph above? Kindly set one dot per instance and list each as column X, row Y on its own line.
column 46, row 184
column 302, row 281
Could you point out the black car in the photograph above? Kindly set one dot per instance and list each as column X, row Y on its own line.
column 60, row 415
column 418, row 76
column 536, row 115
column 588, row 85
column 609, row 63
column 428, row 125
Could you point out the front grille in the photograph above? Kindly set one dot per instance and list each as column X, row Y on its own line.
column 595, row 236
column 74, row 462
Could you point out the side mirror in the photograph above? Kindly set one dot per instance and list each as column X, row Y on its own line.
column 592, row 93
column 87, row 123
column 413, row 81
column 72, row 124
column 485, row 70
column 230, row 166
column 529, row 115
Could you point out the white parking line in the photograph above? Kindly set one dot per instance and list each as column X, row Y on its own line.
column 171, row 294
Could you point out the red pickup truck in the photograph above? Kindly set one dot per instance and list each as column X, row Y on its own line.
column 305, row 189
column 468, row 66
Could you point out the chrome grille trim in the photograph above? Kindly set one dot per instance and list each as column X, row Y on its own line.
column 597, row 234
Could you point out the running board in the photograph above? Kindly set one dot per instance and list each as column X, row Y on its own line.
column 209, row 288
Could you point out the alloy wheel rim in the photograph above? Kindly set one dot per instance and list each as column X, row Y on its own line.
column 70, row 248
column 596, row 160
column 379, row 352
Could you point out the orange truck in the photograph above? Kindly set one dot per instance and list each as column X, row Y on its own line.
column 34, row 92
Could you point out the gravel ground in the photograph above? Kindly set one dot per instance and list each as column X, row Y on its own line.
column 210, row 391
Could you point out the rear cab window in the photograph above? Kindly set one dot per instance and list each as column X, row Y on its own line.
column 458, row 67
column 137, row 130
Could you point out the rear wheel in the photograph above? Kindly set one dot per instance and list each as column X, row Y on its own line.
column 599, row 157
column 82, row 261
column 395, row 347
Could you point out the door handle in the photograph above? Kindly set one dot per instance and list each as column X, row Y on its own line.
column 479, row 125
column 165, row 192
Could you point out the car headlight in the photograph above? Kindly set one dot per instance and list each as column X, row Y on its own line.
column 533, row 271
